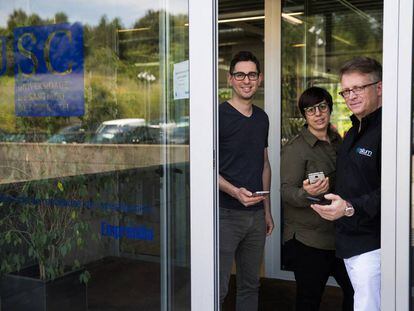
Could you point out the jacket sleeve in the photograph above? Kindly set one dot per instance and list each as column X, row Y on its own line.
column 292, row 171
column 369, row 203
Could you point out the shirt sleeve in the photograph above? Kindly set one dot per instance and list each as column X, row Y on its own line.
column 292, row 171
column 267, row 132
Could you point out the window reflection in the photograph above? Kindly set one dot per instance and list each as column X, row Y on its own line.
column 241, row 27
column 121, row 75
column 95, row 177
column 317, row 37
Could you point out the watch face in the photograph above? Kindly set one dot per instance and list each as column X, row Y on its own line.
column 349, row 211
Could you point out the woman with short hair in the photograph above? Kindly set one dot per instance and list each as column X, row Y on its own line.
column 307, row 173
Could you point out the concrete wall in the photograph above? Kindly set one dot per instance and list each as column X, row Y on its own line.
column 28, row 161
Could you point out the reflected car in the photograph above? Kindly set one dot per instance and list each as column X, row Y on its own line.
column 180, row 134
column 29, row 137
column 184, row 120
column 13, row 137
column 70, row 134
column 162, row 132
column 123, row 131
column 171, row 132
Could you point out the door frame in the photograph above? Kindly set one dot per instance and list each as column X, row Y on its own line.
column 396, row 157
column 203, row 44
column 396, row 150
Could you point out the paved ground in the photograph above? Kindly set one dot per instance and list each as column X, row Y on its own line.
column 119, row 284
column 280, row 295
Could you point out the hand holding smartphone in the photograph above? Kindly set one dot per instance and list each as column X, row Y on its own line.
column 320, row 200
column 260, row 193
column 314, row 177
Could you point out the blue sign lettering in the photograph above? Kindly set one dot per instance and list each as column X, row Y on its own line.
column 119, row 207
column 132, row 233
column 49, row 65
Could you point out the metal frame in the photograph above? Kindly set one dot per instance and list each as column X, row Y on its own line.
column 203, row 155
column 403, row 202
column 272, row 107
column 389, row 157
column 396, row 157
column 396, row 144
column 403, row 207
column 273, row 95
column 165, row 222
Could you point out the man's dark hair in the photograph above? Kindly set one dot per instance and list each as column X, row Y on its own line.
column 313, row 96
column 362, row 65
column 244, row 56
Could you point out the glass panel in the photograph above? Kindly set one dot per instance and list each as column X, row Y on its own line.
column 411, row 299
column 241, row 27
column 94, row 134
column 317, row 38
column 176, row 182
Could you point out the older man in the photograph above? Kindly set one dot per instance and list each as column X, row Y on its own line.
column 356, row 206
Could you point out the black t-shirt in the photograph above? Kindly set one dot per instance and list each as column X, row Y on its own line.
column 242, row 141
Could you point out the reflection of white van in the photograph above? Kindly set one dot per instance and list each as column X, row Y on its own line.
column 121, row 131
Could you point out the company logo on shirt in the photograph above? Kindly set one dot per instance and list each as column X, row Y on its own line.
column 364, row 152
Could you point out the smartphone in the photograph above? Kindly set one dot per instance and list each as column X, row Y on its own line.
column 321, row 201
column 314, row 177
column 260, row 193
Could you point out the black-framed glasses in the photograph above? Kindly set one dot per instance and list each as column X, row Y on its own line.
column 357, row 90
column 322, row 107
column 240, row 76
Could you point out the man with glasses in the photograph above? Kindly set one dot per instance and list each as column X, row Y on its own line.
column 244, row 179
column 356, row 206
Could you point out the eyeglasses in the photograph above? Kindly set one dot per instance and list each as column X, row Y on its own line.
column 322, row 107
column 357, row 90
column 240, row 76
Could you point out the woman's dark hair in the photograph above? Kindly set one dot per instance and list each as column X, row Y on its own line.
column 244, row 56
column 313, row 96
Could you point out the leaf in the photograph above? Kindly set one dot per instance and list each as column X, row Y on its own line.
column 17, row 241
column 84, row 277
column 63, row 250
column 76, row 264
column 60, row 186
column 8, row 236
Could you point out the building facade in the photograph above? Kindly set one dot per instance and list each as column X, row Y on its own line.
column 108, row 140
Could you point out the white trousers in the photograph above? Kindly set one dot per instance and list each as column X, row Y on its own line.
column 365, row 274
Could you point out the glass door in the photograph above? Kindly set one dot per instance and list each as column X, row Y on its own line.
column 94, row 140
column 316, row 39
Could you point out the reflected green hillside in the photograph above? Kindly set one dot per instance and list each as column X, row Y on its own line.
column 114, row 58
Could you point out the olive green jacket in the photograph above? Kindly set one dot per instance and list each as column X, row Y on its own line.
column 306, row 154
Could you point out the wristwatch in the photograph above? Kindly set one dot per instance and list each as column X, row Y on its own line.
column 349, row 209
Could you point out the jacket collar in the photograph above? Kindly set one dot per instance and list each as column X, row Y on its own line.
column 371, row 119
column 312, row 139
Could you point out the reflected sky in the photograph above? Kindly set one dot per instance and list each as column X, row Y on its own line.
column 89, row 11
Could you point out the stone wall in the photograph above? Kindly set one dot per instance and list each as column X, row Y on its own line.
column 32, row 161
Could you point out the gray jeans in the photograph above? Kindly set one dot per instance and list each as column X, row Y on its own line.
column 242, row 236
